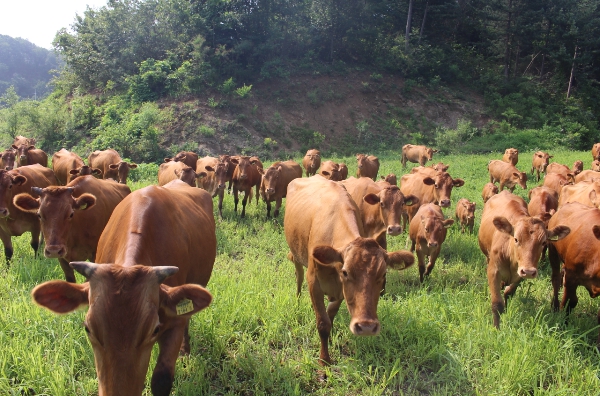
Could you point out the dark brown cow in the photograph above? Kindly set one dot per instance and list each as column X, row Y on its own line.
column 511, row 156
column 73, row 217
column 159, row 251
column 512, row 242
column 390, row 179
column 596, row 165
column 596, row 151
column 507, row 175
column 416, row 154
column 489, row 190
column 543, row 203
column 380, row 207
column 427, row 232
column 67, row 166
column 275, row 181
column 540, row 162
column 256, row 162
column 13, row 222
column 187, row 157
column 29, row 155
column 556, row 181
column 7, row 159
column 245, row 177
column 585, row 192
column 325, row 234
column 311, row 162
column 587, row 175
column 343, row 168
column 465, row 214
column 368, row 166
column 19, row 140
column 173, row 170
column 330, row 171
column 111, row 165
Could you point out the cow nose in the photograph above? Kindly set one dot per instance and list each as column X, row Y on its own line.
column 243, row 177
column 432, row 244
column 55, row 251
column 444, row 203
column 22, row 157
column 270, row 190
column 8, row 168
column 527, row 272
column 365, row 328
column 221, row 186
column 4, row 212
column 394, row 230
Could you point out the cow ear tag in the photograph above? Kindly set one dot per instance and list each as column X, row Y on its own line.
column 184, row 306
column 553, row 238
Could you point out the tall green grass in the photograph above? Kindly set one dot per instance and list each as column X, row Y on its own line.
column 258, row 339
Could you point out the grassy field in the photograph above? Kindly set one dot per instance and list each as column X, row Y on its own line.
column 258, row 339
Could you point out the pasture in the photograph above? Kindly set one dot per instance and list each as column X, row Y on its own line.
column 257, row 338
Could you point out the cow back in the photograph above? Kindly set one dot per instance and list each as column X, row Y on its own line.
column 169, row 171
column 585, row 192
column 543, row 202
column 587, row 175
column 63, row 162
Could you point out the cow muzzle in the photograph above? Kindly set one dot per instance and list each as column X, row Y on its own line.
column 55, row 251
column 444, row 203
column 22, row 158
column 527, row 272
column 221, row 186
column 394, row 230
column 432, row 244
column 365, row 327
column 4, row 213
column 270, row 191
column 243, row 177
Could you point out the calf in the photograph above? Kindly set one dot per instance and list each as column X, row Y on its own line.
column 540, row 163
column 275, row 181
column 111, row 165
column 489, row 190
column 596, row 151
column 343, row 168
column 135, row 301
column 507, row 175
column 390, row 179
column 187, row 157
column 543, row 203
column 331, row 171
column 7, row 159
column 245, row 177
column 512, row 242
column 427, row 232
column 68, row 166
column 72, row 217
column 173, row 170
column 29, row 155
column 311, row 162
column 326, row 236
column 465, row 214
column 511, row 156
column 215, row 177
column 556, row 181
column 585, row 192
column 368, row 166
column 587, row 175
column 416, row 154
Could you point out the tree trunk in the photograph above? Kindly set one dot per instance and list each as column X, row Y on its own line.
column 408, row 21
column 423, row 23
column 507, row 43
column 517, row 60
column 572, row 72
column 545, row 49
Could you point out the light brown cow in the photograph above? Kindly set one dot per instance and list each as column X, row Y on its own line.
column 556, row 181
column 427, row 232
column 174, row 170
column 325, row 234
column 596, row 151
column 7, row 159
column 343, row 168
column 311, row 162
column 416, row 154
column 331, row 171
column 543, row 203
column 274, row 183
column 489, row 190
column 135, row 299
column 564, row 169
column 389, row 179
column 245, row 177
column 368, row 166
column 19, row 140
column 511, row 156
column 187, row 157
column 596, row 165
column 13, row 222
column 208, row 182
column 439, row 167
column 585, row 192
column 72, row 217
column 68, row 166
column 465, row 214
column 111, row 165
column 29, row 155
column 214, row 175
column 512, row 242
column 540, row 162
column 507, row 175
column 380, row 207
column 587, row 175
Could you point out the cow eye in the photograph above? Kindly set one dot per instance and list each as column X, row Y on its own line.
column 156, row 330
column 516, row 240
column 426, row 229
column 435, row 185
column 87, row 329
column 39, row 215
column 345, row 273
column 71, row 215
column 381, row 203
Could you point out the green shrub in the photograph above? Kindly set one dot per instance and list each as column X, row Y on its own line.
column 244, row 91
column 206, row 131
column 228, row 86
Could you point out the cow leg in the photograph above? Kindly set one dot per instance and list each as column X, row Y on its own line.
column 235, row 198
column 268, row 209
column 323, row 320
column 163, row 375
column 257, row 195
column 185, row 344
column 556, row 277
column 277, row 206
column 570, row 300
column 421, row 259
column 403, row 161
column 432, row 257
column 299, row 273
column 497, row 301
column 244, row 201
column 69, row 273
column 332, row 309
column 510, row 290
column 221, row 194
column 35, row 240
column 8, row 248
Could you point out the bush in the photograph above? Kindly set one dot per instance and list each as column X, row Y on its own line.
column 206, row 131
column 244, row 91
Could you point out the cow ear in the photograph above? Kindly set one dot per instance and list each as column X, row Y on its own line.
column 31, row 147
column 61, row 297
column 85, row 201
column 458, row 182
column 234, row 161
column 410, row 200
column 435, row 151
column 26, row 203
column 400, row 259
column 558, row 233
column 371, row 199
column 19, row 180
column 517, row 174
column 96, row 171
column 15, row 147
column 168, row 159
column 177, row 172
column 325, row 173
column 327, row 255
column 113, row 166
column 74, row 171
column 185, row 300
column 550, row 156
column 596, row 231
column 592, row 196
column 132, row 166
column 503, row 225
column 261, row 170
column 209, row 168
column 201, row 174
column 428, row 181
column 448, row 223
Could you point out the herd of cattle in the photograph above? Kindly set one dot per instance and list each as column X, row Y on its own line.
column 157, row 245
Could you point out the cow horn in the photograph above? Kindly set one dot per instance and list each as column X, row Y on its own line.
column 84, row 268
column 163, row 272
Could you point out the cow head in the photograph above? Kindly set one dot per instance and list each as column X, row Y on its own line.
column 442, row 184
column 131, row 311
column 343, row 168
column 8, row 179
column 312, row 160
column 596, row 151
column 529, row 235
column 8, row 159
column 221, row 171
column 243, row 166
column 577, row 167
column 390, row 178
column 361, row 267
column 56, row 208
column 489, row 190
column 22, row 151
column 543, row 159
column 187, row 175
column 434, row 228
column 469, row 207
column 518, row 178
column 83, row 171
column 332, row 174
column 511, row 155
column 429, row 152
column 271, row 179
column 391, row 205
column 122, row 169
column 362, row 160
column 440, row 167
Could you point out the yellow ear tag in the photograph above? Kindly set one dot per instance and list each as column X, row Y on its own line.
column 184, row 306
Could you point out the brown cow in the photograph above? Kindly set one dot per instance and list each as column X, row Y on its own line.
column 325, row 234
column 209, row 182
column 187, row 157
column 343, row 168
column 68, row 166
column 245, row 177
column 596, row 165
column 596, row 151
column 29, row 155
column 73, row 216
column 564, row 169
column 390, row 179
column 368, row 166
column 7, row 159
column 214, row 176
column 587, row 175
column 540, row 163
column 439, row 167
column 465, row 214
column 111, row 165
column 331, row 171
column 507, row 175
column 135, row 301
column 511, row 156
column 416, row 154
column 275, row 181
column 489, row 190
column 380, row 207
column 174, row 170
column 556, row 181
column 585, row 192
column 311, row 162
column 427, row 232
column 543, row 203
column 256, row 162
column 13, row 222
column 19, row 140
column 512, row 242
